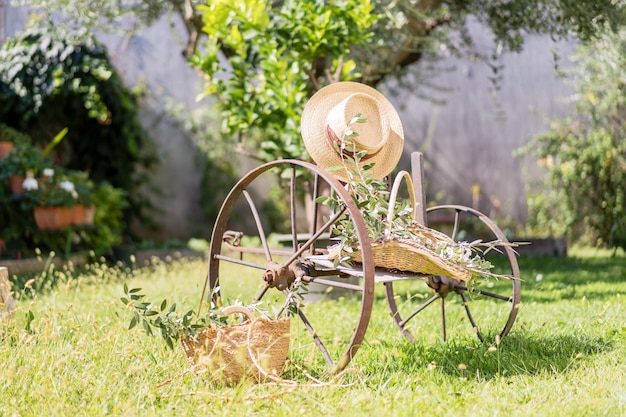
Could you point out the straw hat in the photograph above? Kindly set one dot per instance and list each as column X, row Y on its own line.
column 325, row 118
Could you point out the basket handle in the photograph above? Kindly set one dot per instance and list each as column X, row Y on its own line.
column 239, row 309
column 394, row 196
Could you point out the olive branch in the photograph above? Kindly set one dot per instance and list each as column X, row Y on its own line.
column 372, row 198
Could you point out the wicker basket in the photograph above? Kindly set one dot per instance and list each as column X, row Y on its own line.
column 396, row 253
column 255, row 349
column 407, row 255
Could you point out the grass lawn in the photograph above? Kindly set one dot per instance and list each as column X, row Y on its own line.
column 68, row 352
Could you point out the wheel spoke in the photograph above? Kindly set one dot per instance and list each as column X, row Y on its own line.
column 391, row 301
column 292, row 203
column 485, row 293
column 261, row 293
column 312, row 239
column 316, row 338
column 316, row 205
column 419, row 309
column 240, row 262
column 470, row 317
column 257, row 220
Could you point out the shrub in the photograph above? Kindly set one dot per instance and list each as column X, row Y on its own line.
column 585, row 154
column 51, row 78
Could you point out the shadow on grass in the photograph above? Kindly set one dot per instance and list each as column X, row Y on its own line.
column 518, row 354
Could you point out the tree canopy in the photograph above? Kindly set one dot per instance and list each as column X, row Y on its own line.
column 264, row 59
column 405, row 32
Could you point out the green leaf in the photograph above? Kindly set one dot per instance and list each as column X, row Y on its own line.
column 58, row 138
column 168, row 342
column 146, row 327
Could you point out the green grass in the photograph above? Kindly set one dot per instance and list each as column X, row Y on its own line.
column 566, row 354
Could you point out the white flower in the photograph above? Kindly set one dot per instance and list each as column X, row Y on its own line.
column 48, row 172
column 30, row 183
column 67, row 186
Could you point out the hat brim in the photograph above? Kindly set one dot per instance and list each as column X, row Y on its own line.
column 313, row 129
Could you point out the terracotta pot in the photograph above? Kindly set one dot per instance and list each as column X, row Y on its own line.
column 5, row 148
column 16, row 182
column 51, row 218
column 82, row 215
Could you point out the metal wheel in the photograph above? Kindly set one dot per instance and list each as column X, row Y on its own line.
column 261, row 268
column 490, row 307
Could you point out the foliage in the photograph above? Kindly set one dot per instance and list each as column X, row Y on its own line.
column 171, row 325
column 264, row 59
column 46, row 185
column 51, row 191
column 22, row 236
column 257, row 103
column 83, row 186
column 407, row 31
column 52, row 78
column 14, row 136
column 110, row 204
column 372, row 198
column 584, row 154
column 22, row 158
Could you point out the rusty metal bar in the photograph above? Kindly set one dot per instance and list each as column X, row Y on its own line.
column 470, row 317
column 259, row 226
column 239, row 261
column 262, row 293
column 292, row 192
column 316, row 338
column 422, row 307
column 313, row 238
column 485, row 293
column 330, row 283
column 443, row 318
column 316, row 190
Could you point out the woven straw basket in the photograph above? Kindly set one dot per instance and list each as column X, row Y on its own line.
column 395, row 253
column 407, row 255
column 255, row 349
